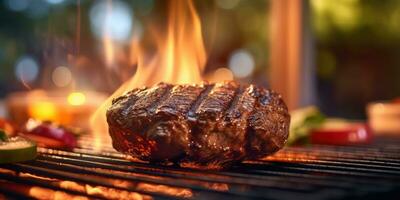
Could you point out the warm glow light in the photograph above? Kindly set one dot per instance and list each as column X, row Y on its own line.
column 179, row 58
column 44, row 193
column 76, row 98
column 43, row 110
column 223, row 74
column 220, row 74
column 173, row 191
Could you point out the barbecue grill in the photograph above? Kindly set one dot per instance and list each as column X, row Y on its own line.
column 311, row 172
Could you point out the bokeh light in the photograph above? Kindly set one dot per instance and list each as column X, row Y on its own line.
column 223, row 74
column 26, row 69
column 115, row 18
column 61, row 76
column 37, row 9
column 54, row 1
column 43, row 110
column 76, row 98
column 16, row 5
column 241, row 63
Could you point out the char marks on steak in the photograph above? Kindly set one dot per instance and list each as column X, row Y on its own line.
column 207, row 124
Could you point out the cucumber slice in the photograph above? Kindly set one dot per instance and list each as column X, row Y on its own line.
column 17, row 149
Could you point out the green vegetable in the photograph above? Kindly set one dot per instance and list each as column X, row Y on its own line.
column 3, row 135
column 17, row 149
column 302, row 122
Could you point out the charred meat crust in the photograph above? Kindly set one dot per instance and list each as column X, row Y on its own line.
column 208, row 124
column 268, row 124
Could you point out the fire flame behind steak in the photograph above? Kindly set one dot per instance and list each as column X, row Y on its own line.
column 201, row 125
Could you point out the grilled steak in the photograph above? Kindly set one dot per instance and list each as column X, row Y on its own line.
column 199, row 125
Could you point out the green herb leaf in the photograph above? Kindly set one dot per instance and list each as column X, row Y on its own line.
column 303, row 121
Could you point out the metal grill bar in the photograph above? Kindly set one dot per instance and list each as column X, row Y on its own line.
column 270, row 185
column 48, row 172
column 318, row 172
column 244, row 178
column 223, row 177
column 345, row 161
column 40, row 184
column 176, row 183
column 174, row 173
column 267, row 164
column 14, row 195
column 232, row 175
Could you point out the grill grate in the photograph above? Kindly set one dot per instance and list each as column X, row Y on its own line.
column 317, row 172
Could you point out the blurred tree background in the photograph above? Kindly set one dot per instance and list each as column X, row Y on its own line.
column 357, row 53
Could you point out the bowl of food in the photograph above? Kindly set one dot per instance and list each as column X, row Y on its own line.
column 384, row 117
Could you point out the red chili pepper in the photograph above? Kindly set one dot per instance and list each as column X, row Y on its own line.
column 49, row 134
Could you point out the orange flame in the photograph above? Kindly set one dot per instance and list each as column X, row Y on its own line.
column 180, row 58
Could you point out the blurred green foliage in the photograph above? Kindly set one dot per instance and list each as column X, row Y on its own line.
column 357, row 53
column 357, row 21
